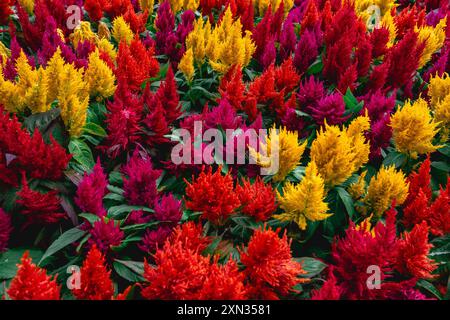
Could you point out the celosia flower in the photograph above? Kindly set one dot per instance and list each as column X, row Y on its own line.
column 121, row 31
column 168, row 210
column 31, row 153
column 180, row 272
column 154, row 239
column 91, row 190
column 309, row 94
column 186, row 65
column 412, row 252
column 139, row 183
column 281, row 145
column 438, row 89
column 257, row 199
column 95, row 281
column 5, row 230
column 304, row 201
column 218, row 189
column 32, row 283
column 37, row 207
column 99, row 77
column 339, row 153
column 359, row 249
column 439, row 218
column 269, row 266
column 105, row 234
column 330, row 108
column 414, row 128
column 329, row 290
column 434, row 39
column 5, row 11
column 388, row 185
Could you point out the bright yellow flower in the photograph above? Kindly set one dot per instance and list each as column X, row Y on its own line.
column 442, row 116
column 196, row 40
column 178, row 5
column 388, row 22
column 99, row 77
column 414, row 128
column 28, row 5
column 81, row 33
column 5, row 53
column 338, row 153
column 9, row 95
column 224, row 45
column 283, row 144
column 434, row 39
column 186, row 65
column 73, row 99
column 261, row 6
column 439, row 88
column 366, row 226
column 107, row 47
column 68, row 87
column 366, row 8
column 147, row 5
column 121, row 31
column 304, row 201
column 32, row 86
column 386, row 186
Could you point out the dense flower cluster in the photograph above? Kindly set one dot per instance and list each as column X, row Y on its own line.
column 224, row 149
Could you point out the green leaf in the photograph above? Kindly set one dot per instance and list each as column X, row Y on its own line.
column 428, row 286
column 141, row 226
column 312, row 266
column 347, row 201
column 94, row 129
column 129, row 270
column 117, row 211
column 68, row 237
column 92, row 218
column 394, row 158
column 82, row 154
column 10, row 259
column 441, row 165
column 316, row 67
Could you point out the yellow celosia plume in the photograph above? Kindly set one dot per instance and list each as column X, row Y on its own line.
column 283, row 144
column 121, row 31
column 186, row 65
column 223, row 45
column 99, row 77
column 178, row 5
column 304, row 201
column 338, row 153
column 413, row 128
column 386, row 186
column 261, row 6
column 434, row 38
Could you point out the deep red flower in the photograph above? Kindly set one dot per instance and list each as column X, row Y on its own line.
column 95, row 278
column 94, row 9
column 329, row 290
column 269, row 266
column 31, row 153
column 5, row 229
column 5, row 11
column 168, row 210
column 139, row 182
column 358, row 250
column 258, row 199
column 218, row 189
column 32, row 283
column 153, row 239
column 439, row 219
column 37, row 207
column 105, row 234
column 420, row 180
column 91, row 190
column 413, row 250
